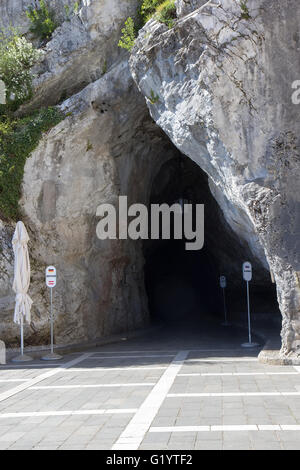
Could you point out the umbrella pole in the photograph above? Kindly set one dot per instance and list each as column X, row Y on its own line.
column 22, row 337
column 22, row 357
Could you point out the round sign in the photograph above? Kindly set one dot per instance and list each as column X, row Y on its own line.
column 247, row 271
column 51, row 276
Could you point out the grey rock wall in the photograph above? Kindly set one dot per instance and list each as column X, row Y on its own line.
column 223, row 81
column 223, row 84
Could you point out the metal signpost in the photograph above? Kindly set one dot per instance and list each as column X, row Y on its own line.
column 247, row 275
column 51, row 282
column 223, row 285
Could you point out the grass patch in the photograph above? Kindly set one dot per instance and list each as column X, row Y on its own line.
column 166, row 13
column 18, row 138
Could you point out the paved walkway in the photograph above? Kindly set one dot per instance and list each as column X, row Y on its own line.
column 176, row 389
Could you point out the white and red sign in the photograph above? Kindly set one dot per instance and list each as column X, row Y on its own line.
column 247, row 271
column 51, row 276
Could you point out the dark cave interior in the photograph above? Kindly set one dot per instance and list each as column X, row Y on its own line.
column 184, row 285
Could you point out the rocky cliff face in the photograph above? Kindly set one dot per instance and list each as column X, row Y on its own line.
column 222, row 80
column 106, row 147
column 223, row 76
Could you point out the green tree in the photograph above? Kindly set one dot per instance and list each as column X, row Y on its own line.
column 17, row 56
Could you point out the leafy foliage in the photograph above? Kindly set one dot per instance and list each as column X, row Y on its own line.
column 166, row 12
column 148, row 8
column 163, row 10
column 153, row 97
column 245, row 10
column 18, row 138
column 128, row 35
column 69, row 12
column 43, row 21
column 17, row 56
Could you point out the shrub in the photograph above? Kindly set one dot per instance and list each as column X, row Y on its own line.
column 17, row 56
column 128, row 35
column 164, row 11
column 18, row 138
column 43, row 21
column 69, row 12
column 148, row 8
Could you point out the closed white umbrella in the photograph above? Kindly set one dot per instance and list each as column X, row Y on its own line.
column 21, row 282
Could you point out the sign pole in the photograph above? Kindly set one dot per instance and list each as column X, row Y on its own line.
column 223, row 285
column 249, row 316
column 51, row 313
column 51, row 282
column 247, row 275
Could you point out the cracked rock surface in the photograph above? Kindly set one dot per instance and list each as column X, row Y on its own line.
column 223, row 80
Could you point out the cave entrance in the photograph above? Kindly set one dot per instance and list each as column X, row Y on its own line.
column 183, row 286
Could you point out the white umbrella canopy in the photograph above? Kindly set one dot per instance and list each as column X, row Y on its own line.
column 21, row 274
column 21, row 283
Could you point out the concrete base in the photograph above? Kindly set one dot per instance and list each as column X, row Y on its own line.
column 250, row 345
column 22, row 358
column 51, row 357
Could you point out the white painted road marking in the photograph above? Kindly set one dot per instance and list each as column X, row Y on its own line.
column 105, row 369
column 134, row 433
column 45, row 387
column 132, row 357
column 143, row 351
column 45, row 365
column 222, row 359
column 174, row 351
column 31, row 414
column 39, row 378
column 234, row 394
column 13, row 380
column 228, row 428
column 235, row 374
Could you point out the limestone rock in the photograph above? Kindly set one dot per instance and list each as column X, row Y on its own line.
column 80, row 51
column 96, row 154
column 13, row 12
column 222, row 81
column 224, row 101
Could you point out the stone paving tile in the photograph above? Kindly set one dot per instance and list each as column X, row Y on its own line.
column 208, row 445
column 153, row 438
column 102, row 431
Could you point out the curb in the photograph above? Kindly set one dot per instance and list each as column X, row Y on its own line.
column 37, row 351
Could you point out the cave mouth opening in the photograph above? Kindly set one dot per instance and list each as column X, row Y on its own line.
column 183, row 286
